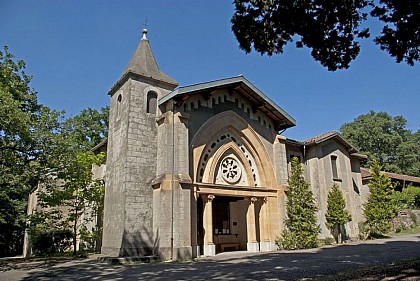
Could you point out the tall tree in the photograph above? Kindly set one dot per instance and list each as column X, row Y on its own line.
column 301, row 229
column 329, row 28
column 27, row 131
column 379, row 208
column 337, row 215
column 385, row 138
column 74, row 192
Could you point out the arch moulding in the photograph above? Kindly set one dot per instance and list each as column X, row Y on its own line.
column 231, row 123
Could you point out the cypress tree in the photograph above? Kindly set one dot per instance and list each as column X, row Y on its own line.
column 379, row 208
column 336, row 215
column 301, row 229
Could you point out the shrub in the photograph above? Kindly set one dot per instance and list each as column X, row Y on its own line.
column 51, row 242
column 404, row 200
column 415, row 192
column 414, row 218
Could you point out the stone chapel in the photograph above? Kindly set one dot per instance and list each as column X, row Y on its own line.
column 201, row 169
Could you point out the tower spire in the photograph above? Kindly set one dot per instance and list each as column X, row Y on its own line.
column 143, row 63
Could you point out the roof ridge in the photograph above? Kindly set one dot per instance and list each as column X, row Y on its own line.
column 322, row 136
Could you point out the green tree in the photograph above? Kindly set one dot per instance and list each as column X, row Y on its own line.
column 337, row 215
column 301, row 229
column 329, row 28
column 73, row 192
column 87, row 128
column 385, row 138
column 27, row 132
column 379, row 209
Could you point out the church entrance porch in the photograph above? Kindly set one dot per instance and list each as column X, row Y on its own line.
column 228, row 223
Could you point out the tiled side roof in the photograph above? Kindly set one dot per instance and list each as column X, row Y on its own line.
column 320, row 138
column 101, row 144
column 366, row 173
column 359, row 155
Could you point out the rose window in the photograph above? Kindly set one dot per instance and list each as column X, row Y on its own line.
column 231, row 171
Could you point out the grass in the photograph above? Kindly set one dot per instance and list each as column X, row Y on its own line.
column 413, row 230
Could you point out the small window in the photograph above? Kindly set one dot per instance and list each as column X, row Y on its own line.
column 151, row 102
column 334, row 167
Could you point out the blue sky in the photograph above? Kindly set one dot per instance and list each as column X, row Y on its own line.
column 76, row 50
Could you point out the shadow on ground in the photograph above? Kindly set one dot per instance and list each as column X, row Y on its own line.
column 282, row 265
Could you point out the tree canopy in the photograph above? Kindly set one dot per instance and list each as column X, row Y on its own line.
column 387, row 139
column 331, row 29
column 27, row 132
column 88, row 128
column 34, row 142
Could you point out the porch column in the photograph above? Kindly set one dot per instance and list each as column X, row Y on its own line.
column 209, row 247
column 252, row 245
column 265, row 244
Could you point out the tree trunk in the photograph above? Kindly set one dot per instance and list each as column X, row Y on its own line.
column 75, row 234
column 339, row 237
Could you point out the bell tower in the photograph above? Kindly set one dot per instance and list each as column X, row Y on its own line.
column 132, row 155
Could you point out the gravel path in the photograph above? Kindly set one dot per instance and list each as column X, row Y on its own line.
column 281, row 265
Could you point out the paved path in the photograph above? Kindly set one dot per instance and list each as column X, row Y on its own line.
column 281, row 265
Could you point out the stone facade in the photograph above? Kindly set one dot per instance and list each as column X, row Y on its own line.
column 202, row 169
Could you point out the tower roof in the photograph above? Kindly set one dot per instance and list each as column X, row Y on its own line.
column 143, row 63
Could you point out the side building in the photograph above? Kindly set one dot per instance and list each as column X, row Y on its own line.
column 329, row 159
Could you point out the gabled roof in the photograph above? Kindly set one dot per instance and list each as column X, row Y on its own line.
column 325, row 137
column 100, row 146
column 245, row 88
column 367, row 174
column 328, row 136
column 143, row 64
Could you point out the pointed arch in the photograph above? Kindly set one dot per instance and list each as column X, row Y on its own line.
column 213, row 163
column 229, row 126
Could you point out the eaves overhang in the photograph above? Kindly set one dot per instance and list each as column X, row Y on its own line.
column 245, row 88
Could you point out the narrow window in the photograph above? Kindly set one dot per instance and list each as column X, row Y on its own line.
column 151, row 102
column 334, row 167
column 119, row 98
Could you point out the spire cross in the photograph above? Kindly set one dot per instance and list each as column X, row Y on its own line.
column 146, row 23
column 145, row 28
